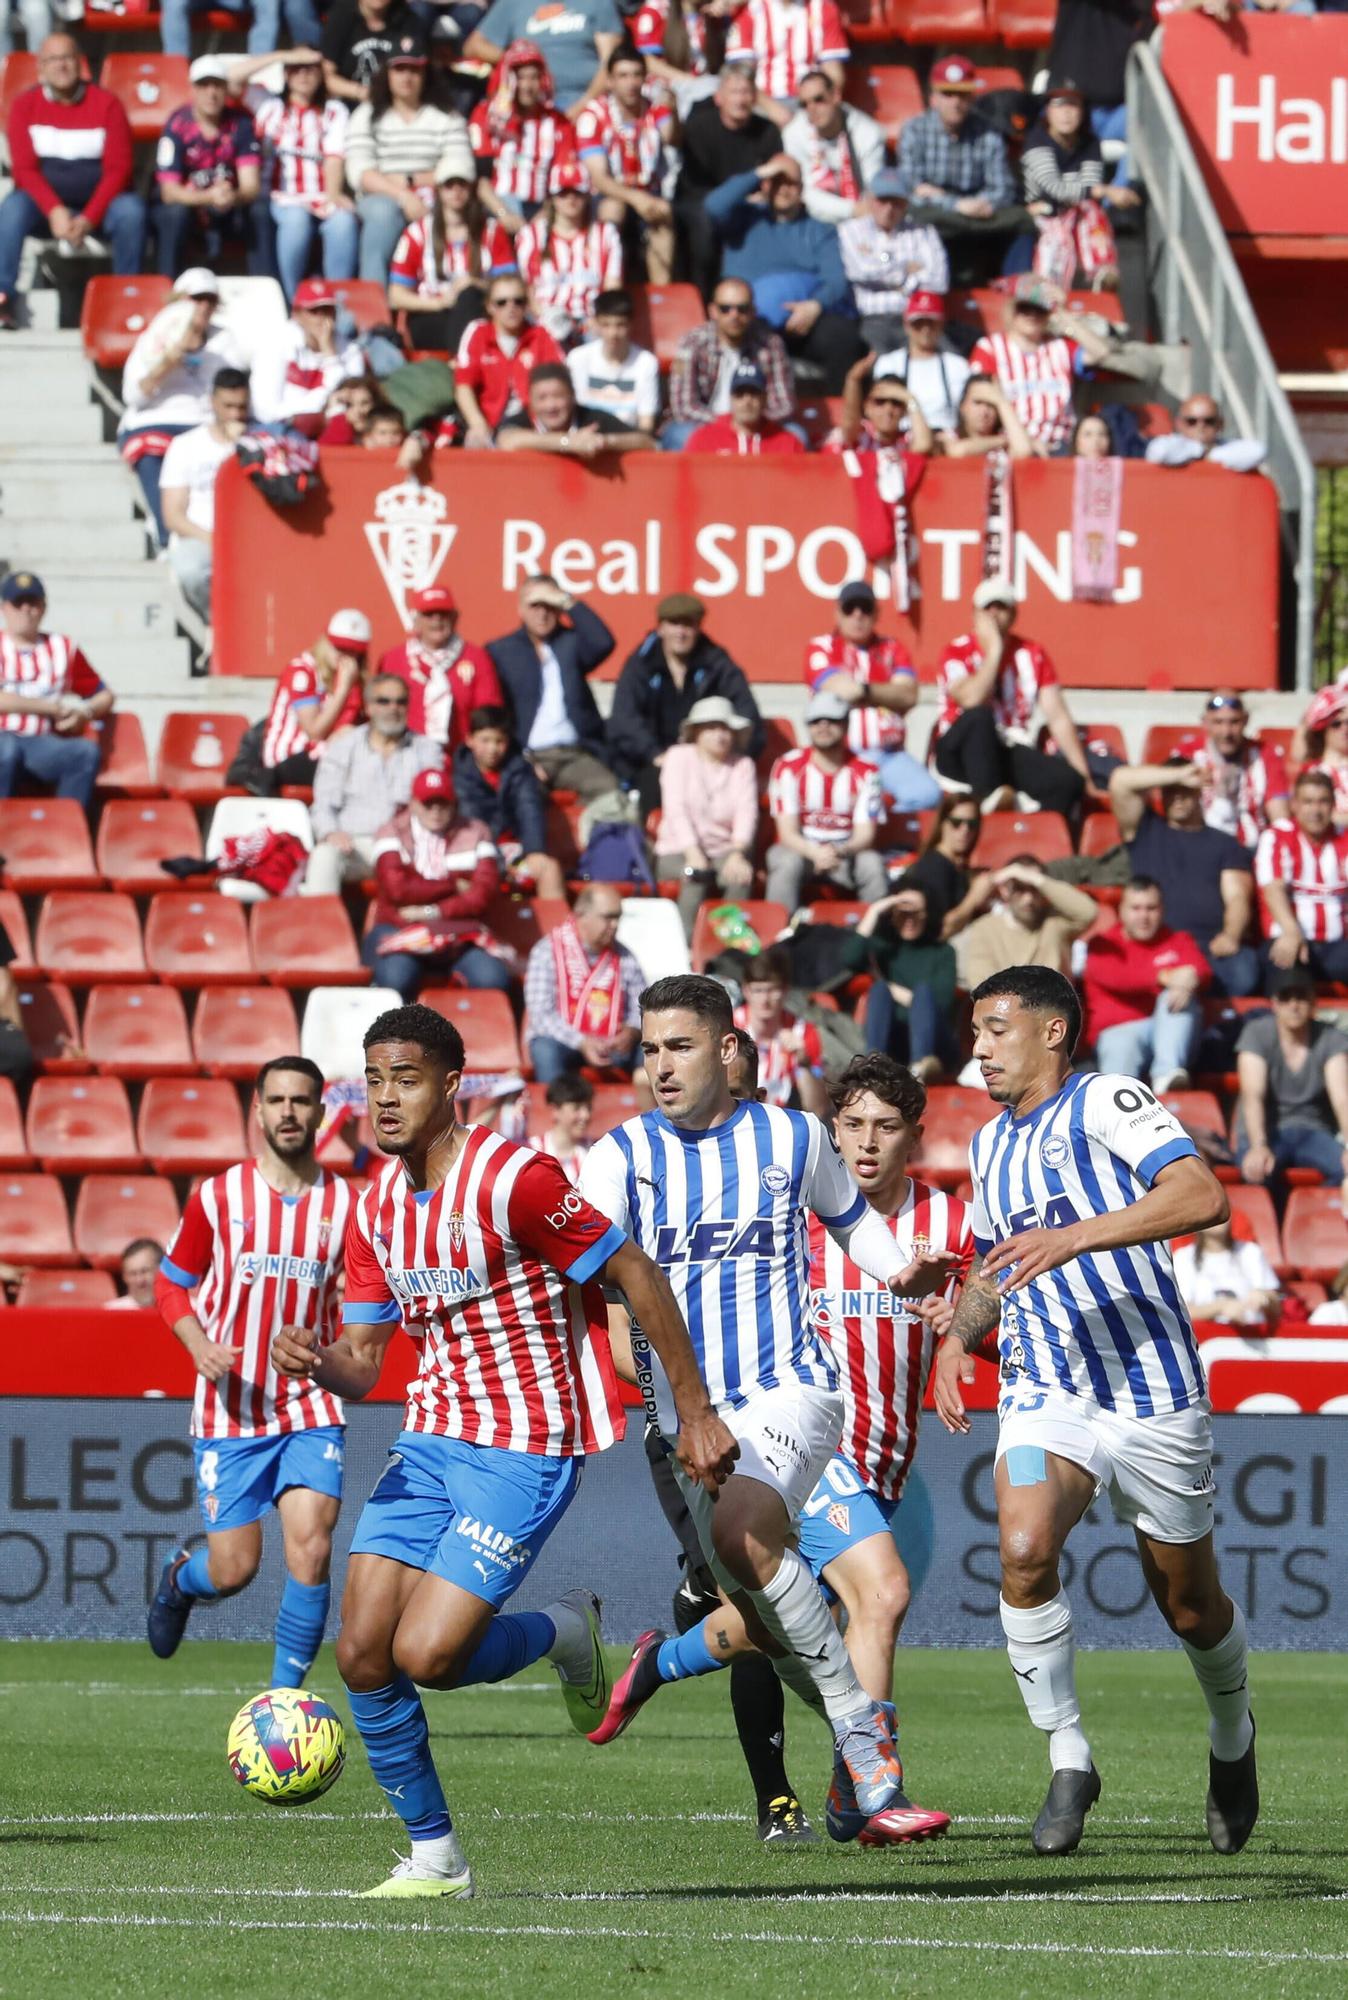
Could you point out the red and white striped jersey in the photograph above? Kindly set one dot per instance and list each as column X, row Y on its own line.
column 493, row 1274
column 52, row 666
column 415, row 262
column 1037, row 382
column 1315, row 876
column 296, row 140
column 567, row 273
column 633, row 149
column 248, row 1261
column 1236, row 790
column 570, row 1163
column 650, row 25
column 520, row 158
column 1337, row 775
column 870, row 729
column 786, row 38
column 883, row 1353
column 830, row 805
column 796, row 1046
column 1025, row 671
column 296, row 688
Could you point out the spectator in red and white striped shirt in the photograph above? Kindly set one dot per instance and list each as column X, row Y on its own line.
column 443, row 262
column 320, row 692
column 825, row 806
column 303, row 135
column 567, row 256
column 624, row 140
column 1302, row 872
column 518, row 137
column 875, row 676
column 48, row 695
column 1245, row 785
column 1037, row 360
column 784, row 39
column 790, row 1052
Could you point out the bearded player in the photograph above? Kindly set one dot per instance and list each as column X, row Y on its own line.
column 1079, row 1188
column 489, row 1257
column 259, row 1249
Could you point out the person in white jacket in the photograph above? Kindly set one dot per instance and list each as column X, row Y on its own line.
column 297, row 368
column 838, row 149
column 168, row 378
column 1198, row 434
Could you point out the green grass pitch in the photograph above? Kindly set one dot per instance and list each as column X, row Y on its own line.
column 130, row 1863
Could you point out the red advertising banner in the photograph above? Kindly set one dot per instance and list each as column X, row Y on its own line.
column 766, row 543
column 1265, row 101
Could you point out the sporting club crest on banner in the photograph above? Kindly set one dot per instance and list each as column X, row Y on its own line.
column 410, row 539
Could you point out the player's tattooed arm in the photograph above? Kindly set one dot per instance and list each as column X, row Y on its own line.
column 978, row 1312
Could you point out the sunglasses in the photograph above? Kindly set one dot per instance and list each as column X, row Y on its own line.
column 1200, row 423
column 509, row 299
column 731, row 309
column 820, row 97
column 886, row 402
column 961, row 822
column 388, row 701
column 1220, row 701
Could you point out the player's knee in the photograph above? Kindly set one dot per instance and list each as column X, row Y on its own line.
column 426, row 1660
column 363, row 1661
column 1029, row 1557
column 1195, row 1615
column 310, row 1558
column 232, row 1570
column 893, row 1599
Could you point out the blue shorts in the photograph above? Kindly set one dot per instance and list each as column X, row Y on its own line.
column 238, row 1479
column 840, row 1513
column 474, row 1514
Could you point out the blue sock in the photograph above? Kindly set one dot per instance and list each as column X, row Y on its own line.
column 514, row 1640
column 192, row 1579
column 392, row 1725
column 299, row 1631
column 683, row 1658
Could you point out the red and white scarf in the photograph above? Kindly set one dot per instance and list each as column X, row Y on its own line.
column 589, row 997
column 999, row 536
column 884, row 523
column 1097, row 496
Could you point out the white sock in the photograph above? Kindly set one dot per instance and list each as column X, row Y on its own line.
column 1042, row 1652
column 794, row 1609
column 443, row 1856
column 1222, row 1675
column 794, row 1673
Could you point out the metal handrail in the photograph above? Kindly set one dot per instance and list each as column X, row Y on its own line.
column 1201, row 297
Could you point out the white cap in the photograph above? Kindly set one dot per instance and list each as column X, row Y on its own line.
column 349, row 628
column 209, row 69
column 197, row 283
column 994, row 590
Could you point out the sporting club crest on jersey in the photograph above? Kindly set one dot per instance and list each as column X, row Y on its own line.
column 211, row 1505
column 456, row 1230
column 324, row 1241
column 840, row 1517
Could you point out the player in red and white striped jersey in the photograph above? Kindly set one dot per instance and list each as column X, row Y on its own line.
column 566, row 256
column 825, row 805
column 48, row 692
column 1302, row 872
column 489, row 1258
column 785, row 38
column 258, row 1250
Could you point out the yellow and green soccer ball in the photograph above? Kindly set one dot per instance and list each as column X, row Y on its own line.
column 286, row 1747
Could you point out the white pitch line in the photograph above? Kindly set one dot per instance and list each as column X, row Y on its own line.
column 952, row 1901
column 471, row 1817
column 236, row 1688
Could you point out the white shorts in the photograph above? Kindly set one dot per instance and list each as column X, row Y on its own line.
column 786, row 1438
column 1157, row 1470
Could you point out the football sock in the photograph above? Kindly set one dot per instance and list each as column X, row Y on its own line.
column 1042, row 1652
column 794, row 1609
column 794, row 1673
column 1222, row 1675
column 193, row 1580
column 392, row 1725
column 759, row 1707
column 299, row 1631
column 512, row 1641
column 687, row 1656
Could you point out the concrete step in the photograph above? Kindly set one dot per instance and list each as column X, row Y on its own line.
column 43, row 381
column 157, row 670
column 40, row 310
column 132, row 609
column 84, row 497
column 51, row 420
column 39, row 541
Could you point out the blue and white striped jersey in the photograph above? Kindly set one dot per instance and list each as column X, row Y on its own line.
column 1109, row 1327
column 724, row 1215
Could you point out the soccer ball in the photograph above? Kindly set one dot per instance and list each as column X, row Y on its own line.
column 286, row 1747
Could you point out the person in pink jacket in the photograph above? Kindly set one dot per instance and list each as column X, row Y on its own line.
column 708, row 807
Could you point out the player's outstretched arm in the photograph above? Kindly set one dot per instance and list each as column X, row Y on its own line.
column 348, row 1366
column 1185, row 1197
column 705, row 1448
column 978, row 1312
column 869, row 1244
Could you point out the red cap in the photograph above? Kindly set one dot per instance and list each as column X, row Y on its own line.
column 571, row 174
column 315, row 292
column 435, row 598
column 432, row 785
column 925, row 305
column 954, row 73
column 1328, row 703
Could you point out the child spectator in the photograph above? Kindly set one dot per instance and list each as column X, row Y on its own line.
column 571, row 1101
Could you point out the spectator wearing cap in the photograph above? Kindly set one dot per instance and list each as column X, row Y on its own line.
column 992, row 683
column 838, row 149
column 582, row 991
column 1141, row 984
column 723, row 135
column 1033, row 919
column 1245, row 785
column 298, row 367
column 1293, row 1076
column 889, row 260
column 447, row 677
column 1205, row 876
column 496, row 357
column 1321, row 739
column 707, row 357
column 70, row 156
column 1037, row 361
column 441, row 263
column 624, row 139
column 675, row 667
column 927, row 365
column 208, row 177
column 167, row 380
column 792, row 262
column 708, row 807
column 302, row 133
column 785, row 39
column 320, row 692
column 1198, row 434
column 363, row 779
column 555, row 422
column 355, row 42
column 187, row 487
column 393, row 145
column 576, row 41
column 49, row 694
column 875, row 677
column 495, row 782
column 955, row 171
column 568, row 254
column 745, row 431
column 1301, row 868
column 612, row 373
column 544, row 667
column 826, row 805
column 437, row 875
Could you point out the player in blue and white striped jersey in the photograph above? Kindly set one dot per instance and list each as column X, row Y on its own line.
column 1079, row 1187
column 717, row 1192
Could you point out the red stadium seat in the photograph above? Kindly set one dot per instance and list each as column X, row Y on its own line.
column 237, row 1028
column 77, row 1124
column 1106, row 738
column 135, row 835
column 1314, row 1233
column 195, row 751
column 865, row 21
column 987, row 304
column 199, row 940
column 1023, row 24
column 781, row 737
column 85, row 1290
column 45, row 845
column 662, row 315
column 114, row 314
column 125, row 771
column 52, row 1026
column 190, row 1127
column 1004, row 835
column 366, row 302
column 34, row 1222
column 1163, row 739
column 523, row 924
column 306, row 941
column 768, row 921
column 111, row 1210
column 1253, row 1216
column 938, row 20
column 952, row 1117
column 846, row 915
column 1195, row 1107
column 138, row 1031
column 87, row 939
column 149, row 86
column 1099, row 832
column 487, row 1024
column 890, row 93
column 14, row 923
column 14, row 1151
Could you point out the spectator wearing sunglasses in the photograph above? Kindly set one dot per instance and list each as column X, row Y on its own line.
column 1198, row 434
column 363, row 780
column 1245, row 785
column 838, row 149
column 706, row 360
column 496, row 357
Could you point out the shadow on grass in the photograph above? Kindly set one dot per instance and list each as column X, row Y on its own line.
column 49, row 1839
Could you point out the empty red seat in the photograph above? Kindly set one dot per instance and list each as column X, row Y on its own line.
column 79, row 1123
column 1253, row 1217
column 14, row 923
column 781, row 738
column 1314, row 1233
column 238, row 1028
column 195, row 750
column 138, row 1031
column 366, row 302
column 614, row 1103
column 112, row 1210
column 13, row 1143
column 1099, row 832
column 52, row 1025
column 889, row 92
column 1004, row 835
column 1023, row 24
column 306, row 941
column 34, row 1221
column 149, row 86
column 1162, row 740
column 44, row 844
column 199, row 940
column 135, row 835
column 865, row 21
column 523, row 924
column 662, row 315
column 115, row 313
column 767, row 920
column 952, row 1117
column 938, row 20
column 485, row 1021
column 125, row 770
column 844, row 914
column 190, row 1127
column 84, row 1290
column 85, row 938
